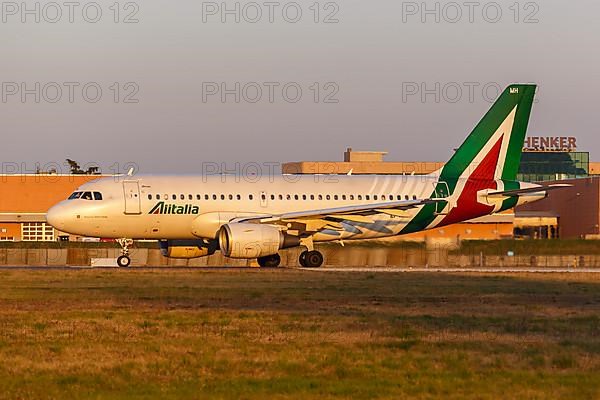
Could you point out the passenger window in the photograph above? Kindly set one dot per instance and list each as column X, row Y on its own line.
column 263, row 196
column 280, row 197
column 335, row 197
column 360, row 196
column 367, row 197
column 312, row 196
column 328, row 197
column 222, row 197
column 383, row 197
column 295, row 197
column 320, row 197
column 406, row 197
column 343, row 197
column 288, row 197
column 182, row 196
column 272, row 197
column 303, row 197
column 250, row 197
column 230, row 197
column 190, row 197
column 206, row 197
column 149, row 197
column 414, row 196
column 198, row 197
column 174, row 197
column 214, row 196
column 375, row 197
column 239, row 197
column 351, row 197
column 399, row 197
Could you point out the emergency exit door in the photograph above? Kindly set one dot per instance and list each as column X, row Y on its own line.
column 131, row 189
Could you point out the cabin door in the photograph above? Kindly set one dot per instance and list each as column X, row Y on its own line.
column 131, row 190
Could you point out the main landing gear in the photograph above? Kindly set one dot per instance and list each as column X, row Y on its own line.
column 310, row 258
column 123, row 260
column 269, row 261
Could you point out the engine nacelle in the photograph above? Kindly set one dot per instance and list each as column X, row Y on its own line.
column 188, row 248
column 245, row 240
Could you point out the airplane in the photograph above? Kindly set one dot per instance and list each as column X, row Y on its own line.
column 195, row 216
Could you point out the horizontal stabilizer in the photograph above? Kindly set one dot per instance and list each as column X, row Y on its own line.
column 537, row 189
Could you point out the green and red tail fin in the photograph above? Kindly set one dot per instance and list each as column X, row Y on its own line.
column 493, row 149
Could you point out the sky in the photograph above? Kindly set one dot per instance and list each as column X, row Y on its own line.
column 174, row 86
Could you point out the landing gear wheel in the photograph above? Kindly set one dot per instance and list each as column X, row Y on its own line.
column 269, row 261
column 123, row 261
column 311, row 259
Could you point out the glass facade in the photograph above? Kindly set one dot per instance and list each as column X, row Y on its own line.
column 549, row 166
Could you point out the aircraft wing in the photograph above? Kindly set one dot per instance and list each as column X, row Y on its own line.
column 538, row 189
column 356, row 213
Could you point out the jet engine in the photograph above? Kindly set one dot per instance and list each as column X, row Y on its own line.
column 188, row 248
column 246, row 240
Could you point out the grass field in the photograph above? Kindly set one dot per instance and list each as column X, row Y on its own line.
column 113, row 334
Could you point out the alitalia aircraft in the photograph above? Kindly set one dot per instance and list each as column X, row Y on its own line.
column 195, row 216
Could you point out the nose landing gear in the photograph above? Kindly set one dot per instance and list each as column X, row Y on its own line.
column 123, row 260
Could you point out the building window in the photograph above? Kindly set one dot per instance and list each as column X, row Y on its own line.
column 37, row 232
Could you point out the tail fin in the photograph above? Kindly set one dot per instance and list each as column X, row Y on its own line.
column 493, row 149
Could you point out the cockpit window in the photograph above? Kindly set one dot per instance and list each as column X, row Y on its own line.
column 86, row 196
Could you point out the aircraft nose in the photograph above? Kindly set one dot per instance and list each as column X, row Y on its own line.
column 57, row 216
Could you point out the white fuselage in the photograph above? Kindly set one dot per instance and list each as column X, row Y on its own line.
column 192, row 207
column 127, row 202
